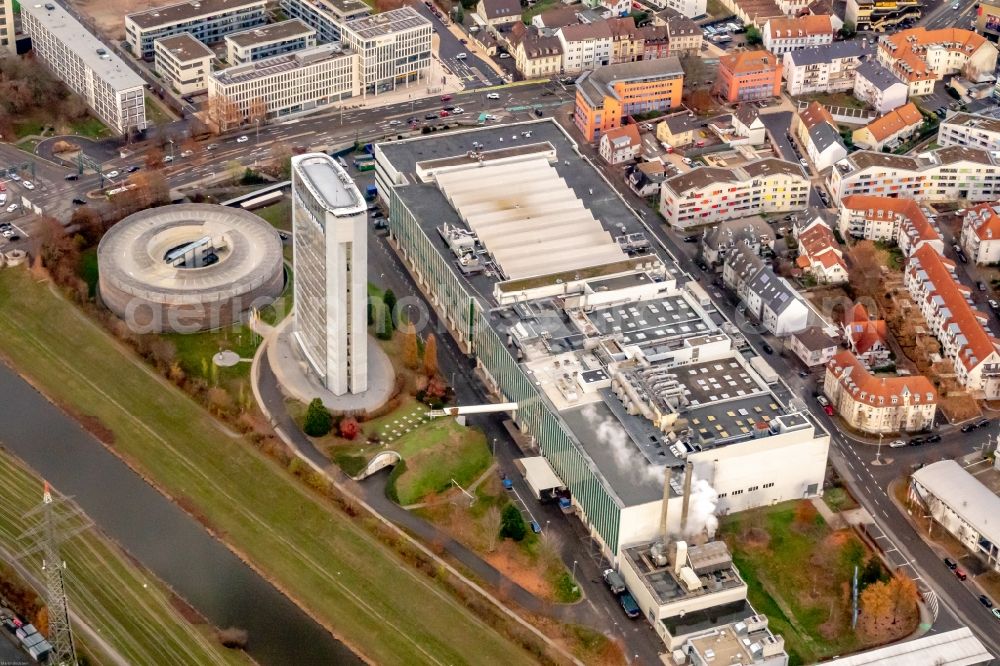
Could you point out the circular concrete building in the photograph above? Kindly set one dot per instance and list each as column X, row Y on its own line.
column 189, row 267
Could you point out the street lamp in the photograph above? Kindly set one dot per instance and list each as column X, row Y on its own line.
column 256, row 122
column 878, row 452
column 494, row 447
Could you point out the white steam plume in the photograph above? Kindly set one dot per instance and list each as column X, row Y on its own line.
column 627, row 458
column 701, row 508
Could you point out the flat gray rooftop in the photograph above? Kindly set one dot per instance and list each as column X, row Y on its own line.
column 185, row 11
column 431, row 207
column 271, row 32
column 184, row 47
column 665, row 586
column 107, row 67
column 725, row 422
column 285, row 62
column 331, row 184
column 646, row 321
column 387, row 23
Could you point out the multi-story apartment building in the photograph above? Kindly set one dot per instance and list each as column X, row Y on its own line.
column 747, row 76
column 656, row 42
column 267, row 41
column 899, row 220
column 878, row 404
column 183, row 62
column 686, row 8
column 208, row 21
column 818, row 134
column 876, row 85
column 326, row 17
column 948, row 310
column 330, row 225
column 708, row 195
column 967, row 129
column 535, row 55
column 880, row 15
column 890, row 130
column 943, row 174
column 981, row 233
column 829, row 68
column 683, row 35
column 497, row 13
column 782, row 35
column 607, row 94
column 820, row 255
column 753, row 232
column 769, row 299
column 919, row 56
column 8, row 43
column 109, row 87
column 285, row 85
column 394, row 48
column 627, row 42
column 585, row 46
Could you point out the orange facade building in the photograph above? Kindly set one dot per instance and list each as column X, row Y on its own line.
column 746, row 76
column 606, row 94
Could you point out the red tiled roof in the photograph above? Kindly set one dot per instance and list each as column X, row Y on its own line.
column 908, row 48
column 857, row 381
column 979, row 344
column 802, row 26
column 814, row 114
column 911, row 215
column 895, row 121
column 985, row 221
column 865, row 332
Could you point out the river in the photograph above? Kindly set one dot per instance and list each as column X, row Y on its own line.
column 154, row 530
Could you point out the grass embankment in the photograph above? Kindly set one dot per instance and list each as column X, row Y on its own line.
column 335, row 568
column 131, row 609
column 799, row 575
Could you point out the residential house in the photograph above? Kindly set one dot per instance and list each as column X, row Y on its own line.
column 746, row 76
column 645, row 178
column 655, row 41
column 890, row 130
column 678, row 130
column 620, row 144
column 766, row 297
column 683, row 34
column 867, row 338
column 820, row 255
column 708, row 195
column 752, row 232
column 627, row 41
column 812, row 346
column 901, row 221
column 879, row 87
column 942, row 174
column 607, row 94
column 829, row 68
column 535, row 55
column 947, row 307
column 748, row 125
column 782, row 35
column 585, row 46
column 981, row 233
column 557, row 17
column 966, row 129
column 920, row 57
column 878, row 404
column 497, row 13
column 817, row 133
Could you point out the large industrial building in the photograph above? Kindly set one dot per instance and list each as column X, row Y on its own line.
column 625, row 380
column 112, row 91
column 330, row 227
column 189, row 267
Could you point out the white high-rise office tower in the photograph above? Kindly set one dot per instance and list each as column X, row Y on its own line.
column 329, row 223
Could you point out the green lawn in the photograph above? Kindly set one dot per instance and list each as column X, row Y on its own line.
column 88, row 269
column 23, row 128
column 90, row 127
column 799, row 576
column 536, row 9
column 279, row 214
column 436, row 454
column 334, row 567
column 127, row 605
column 154, row 114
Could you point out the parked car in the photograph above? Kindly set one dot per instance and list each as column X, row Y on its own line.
column 492, row 95
column 985, row 600
column 968, row 427
column 211, row 146
column 132, row 169
column 691, row 239
column 960, row 573
column 71, row 176
column 457, row 109
column 993, row 304
column 444, row 114
column 768, row 349
column 917, row 441
column 896, row 443
column 504, row 56
column 950, row 563
column 982, row 423
column 187, row 153
column 687, row 160
column 243, row 139
column 461, row 56
column 112, row 174
column 629, row 606
column 996, row 613
column 614, row 581
column 445, row 98
column 168, row 159
column 933, row 439
column 981, row 286
column 78, row 201
column 11, row 208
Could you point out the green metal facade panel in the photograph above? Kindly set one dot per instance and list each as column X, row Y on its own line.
column 465, row 314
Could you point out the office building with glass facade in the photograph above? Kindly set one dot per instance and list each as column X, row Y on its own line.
column 329, row 224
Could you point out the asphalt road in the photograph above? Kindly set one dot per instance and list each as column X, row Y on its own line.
column 472, row 70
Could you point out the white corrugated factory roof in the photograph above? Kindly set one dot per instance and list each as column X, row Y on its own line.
column 952, row 648
column 528, row 218
column 964, row 494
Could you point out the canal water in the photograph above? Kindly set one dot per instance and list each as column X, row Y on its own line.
column 166, row 540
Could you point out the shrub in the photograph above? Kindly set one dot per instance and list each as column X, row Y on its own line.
column 512, row 523
column 318, row 420
column 349, row 427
